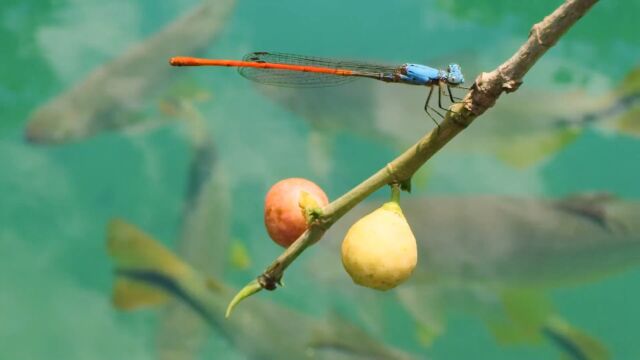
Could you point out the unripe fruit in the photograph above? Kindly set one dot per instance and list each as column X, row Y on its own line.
column 283, row 217
column 379, row 250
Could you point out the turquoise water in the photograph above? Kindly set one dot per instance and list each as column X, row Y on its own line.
column 57, row 199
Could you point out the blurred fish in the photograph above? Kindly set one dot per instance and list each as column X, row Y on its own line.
column 503, row 240
column 522, row 130
column 205, row 225
column 147, row 273
column 496, row 257
column 576, row 344
column 116, row 95
column 239, row 256
column 621, row 113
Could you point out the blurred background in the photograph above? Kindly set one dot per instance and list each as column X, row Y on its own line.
column 536, row 201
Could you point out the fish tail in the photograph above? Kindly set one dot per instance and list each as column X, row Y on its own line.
column 629, row 121
column 146, row 272
column 521, row 152
column 575, row 344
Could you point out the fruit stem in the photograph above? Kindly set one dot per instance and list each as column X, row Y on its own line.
column 310, row 208
column 395, row 193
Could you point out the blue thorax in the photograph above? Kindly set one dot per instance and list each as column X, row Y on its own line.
column 424, row 75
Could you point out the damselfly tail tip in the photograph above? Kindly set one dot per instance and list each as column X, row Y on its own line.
column 178, row 61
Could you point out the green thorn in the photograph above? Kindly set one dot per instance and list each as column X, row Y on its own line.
column 250, row 289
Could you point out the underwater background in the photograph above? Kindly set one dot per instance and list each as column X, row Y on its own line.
column 67, row 170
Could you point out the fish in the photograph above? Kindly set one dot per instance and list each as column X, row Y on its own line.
column 584, row 235
column 577, row 345
column 621, row 112
column 207, row 208
column 497, row 257
column 147, row 273
column 116, row 95
column 518, row 130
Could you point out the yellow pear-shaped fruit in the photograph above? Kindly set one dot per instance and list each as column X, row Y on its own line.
column 379, row 250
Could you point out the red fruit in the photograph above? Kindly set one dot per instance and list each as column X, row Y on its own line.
column 283, row 216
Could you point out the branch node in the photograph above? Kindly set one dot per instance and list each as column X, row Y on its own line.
column 391, row 170
column 535, row 32
column 508, row 84
column 482, row 99
column 511, row 85
column 267, row 282
column 457, row 117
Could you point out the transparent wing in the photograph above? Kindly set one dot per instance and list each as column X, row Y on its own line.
column 292, row 78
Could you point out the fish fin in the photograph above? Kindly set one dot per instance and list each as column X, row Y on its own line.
column 427, row 334
column 147, row 273
column 576, row 344
column 185, row 90
column 179, row 104
column 629, row 122
column 130, row 294
column 530, row 318
column 188, row 88
column 423, row 306
column 524, row 151
column 525, row 312
column 631, row 83
column 213, row 284
column 590, row 206
column 132, row 249
column 169, row 107
column 239, row 255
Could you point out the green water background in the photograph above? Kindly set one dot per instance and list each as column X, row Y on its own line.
column 55, row 201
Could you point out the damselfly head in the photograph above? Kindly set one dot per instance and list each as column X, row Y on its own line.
column 454, row 75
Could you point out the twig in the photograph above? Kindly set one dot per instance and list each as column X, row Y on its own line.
column 482, row 96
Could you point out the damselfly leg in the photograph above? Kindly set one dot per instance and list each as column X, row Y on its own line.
column 440, row 92
column 454, row 99
column 428, row 108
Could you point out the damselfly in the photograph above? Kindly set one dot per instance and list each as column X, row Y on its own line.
column 307, row 71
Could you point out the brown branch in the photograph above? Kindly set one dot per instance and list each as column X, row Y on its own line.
column 483, row 94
